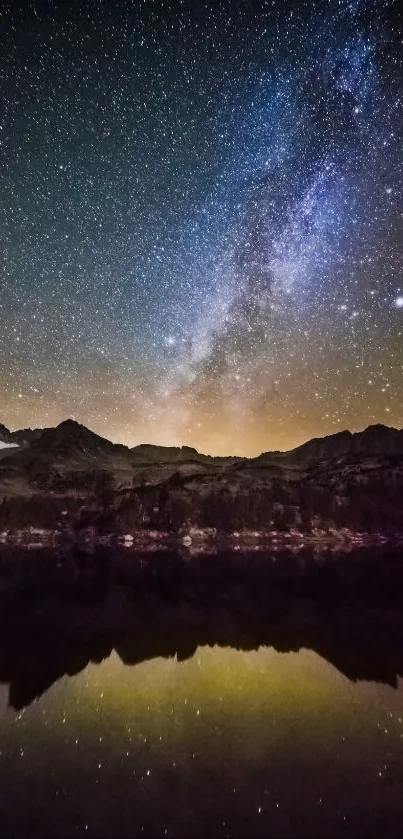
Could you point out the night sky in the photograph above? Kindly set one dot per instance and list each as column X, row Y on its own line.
column 202, row 219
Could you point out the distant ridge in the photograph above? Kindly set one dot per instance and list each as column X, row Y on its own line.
column 149, row 453
column 21, row 437
column 375, row 439
column 71, row 437
column 169, row 454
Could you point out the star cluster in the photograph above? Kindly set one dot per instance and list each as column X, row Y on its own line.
column 202, row 218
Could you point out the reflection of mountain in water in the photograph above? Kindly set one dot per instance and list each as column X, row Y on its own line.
column 59, row 613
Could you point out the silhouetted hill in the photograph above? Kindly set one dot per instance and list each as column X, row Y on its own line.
column 72, row 438
column 5, row 434
column 26, row 436
column 374, row 440
column 21, row 437
column 148, row 453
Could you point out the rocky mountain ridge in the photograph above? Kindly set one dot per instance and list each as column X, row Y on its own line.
column 20, row 437
column 70, row 478
column 72, row 437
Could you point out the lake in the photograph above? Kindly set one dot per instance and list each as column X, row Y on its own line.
column 157, row 695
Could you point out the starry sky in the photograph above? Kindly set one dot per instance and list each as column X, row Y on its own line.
column 201, row 214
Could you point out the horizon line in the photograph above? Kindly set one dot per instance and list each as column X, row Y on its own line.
column 187, row 446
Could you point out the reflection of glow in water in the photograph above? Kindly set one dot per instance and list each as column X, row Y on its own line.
column 223, row 738
column 291, row 687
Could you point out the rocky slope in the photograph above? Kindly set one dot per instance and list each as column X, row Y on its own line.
column 72, row 479
column 21, row 437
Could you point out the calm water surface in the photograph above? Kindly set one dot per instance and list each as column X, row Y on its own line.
column 213, row 741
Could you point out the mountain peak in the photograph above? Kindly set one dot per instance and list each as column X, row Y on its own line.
column 70, row 423
column 379, row 428
column 71, row 438
column 72, row 427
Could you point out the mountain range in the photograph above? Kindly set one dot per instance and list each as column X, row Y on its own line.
column 69, row 475
column 72, row 438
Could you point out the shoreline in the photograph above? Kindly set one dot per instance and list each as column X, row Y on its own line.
column 198, row 540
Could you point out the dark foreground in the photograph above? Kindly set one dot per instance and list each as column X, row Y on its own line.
column 226, row 695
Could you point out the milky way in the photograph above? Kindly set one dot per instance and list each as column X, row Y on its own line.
column 202, row 219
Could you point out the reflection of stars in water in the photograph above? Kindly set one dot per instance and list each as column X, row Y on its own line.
column 111, row 744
